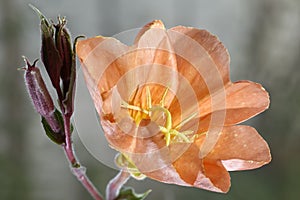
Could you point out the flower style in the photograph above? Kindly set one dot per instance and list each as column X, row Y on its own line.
column 167, row 104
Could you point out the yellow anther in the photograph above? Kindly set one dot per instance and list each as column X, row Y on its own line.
column 170, row 134
column 149, row 99
column 132, row 107
column 163, row 98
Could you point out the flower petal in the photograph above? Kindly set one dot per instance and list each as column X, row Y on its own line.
column 202, row 173
column 203, row 61
column 108, row 50
column 241, row 148
column 201, row 58
column 244, row 99
column 189, row 165
column 154, row 24
column 144, row 146
column 190, row 170
column 155, row 62
column 102, row 76
column 217, row 174
column 168, row 175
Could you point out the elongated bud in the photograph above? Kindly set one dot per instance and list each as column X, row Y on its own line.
column 49, row 53
column 40, row 96
column 58, row 57
column 64, row 47
column 68, row 70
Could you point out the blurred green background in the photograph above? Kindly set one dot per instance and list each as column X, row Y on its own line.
column 263, row 38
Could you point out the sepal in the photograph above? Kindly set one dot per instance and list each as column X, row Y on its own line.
column 128, row 193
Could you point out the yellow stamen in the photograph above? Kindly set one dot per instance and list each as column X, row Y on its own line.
column 168, row 123
column 170, row 134
column 132, row 107
column 148, row 96
column 183, row 135
column 186, row 120
column 163, row 99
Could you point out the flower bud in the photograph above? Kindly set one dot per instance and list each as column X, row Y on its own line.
column 49, row 53
column 68, row 70
column 64, row 47
column 40, row 96
column 59, row 60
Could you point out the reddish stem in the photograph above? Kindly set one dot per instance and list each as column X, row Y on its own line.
column 75, row 166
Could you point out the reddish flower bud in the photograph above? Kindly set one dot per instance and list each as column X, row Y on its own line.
column 49, row 53
column 59, row 59
column 68, row 70
column 64, row 47
column 40, row 96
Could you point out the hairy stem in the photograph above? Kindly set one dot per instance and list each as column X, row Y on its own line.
column 78, row 170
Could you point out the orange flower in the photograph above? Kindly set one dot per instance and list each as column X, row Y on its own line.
column 166, row 103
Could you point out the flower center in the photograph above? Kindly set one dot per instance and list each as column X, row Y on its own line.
column 171, row 133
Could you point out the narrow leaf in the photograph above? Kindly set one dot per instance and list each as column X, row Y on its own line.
column 58, row 138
